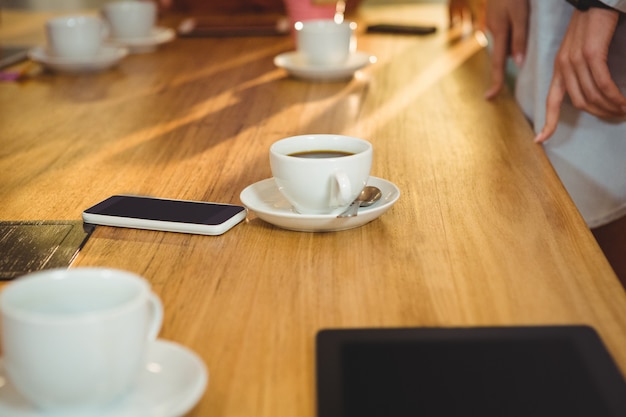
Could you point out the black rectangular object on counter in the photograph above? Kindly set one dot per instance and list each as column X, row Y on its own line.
column 538, row 371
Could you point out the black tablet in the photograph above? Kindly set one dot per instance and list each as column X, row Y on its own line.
column 466, row 372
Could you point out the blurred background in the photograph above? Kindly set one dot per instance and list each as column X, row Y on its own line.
column 68, row 5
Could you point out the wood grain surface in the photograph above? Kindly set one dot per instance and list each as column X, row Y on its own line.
column 483, row 233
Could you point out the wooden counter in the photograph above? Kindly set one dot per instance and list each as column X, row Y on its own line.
column 483, row 233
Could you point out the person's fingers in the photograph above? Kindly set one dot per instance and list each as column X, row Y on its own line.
column 455, row 13
column 519, row 34
column 606, row 87
column 586, row 91
column 582, row 61
column 478, row 13
column 497, row 82
column 498, row 64
column 556, row 93
column 164, row 4
column 602, row 24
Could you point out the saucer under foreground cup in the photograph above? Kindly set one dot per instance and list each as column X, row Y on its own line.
column 170, row 385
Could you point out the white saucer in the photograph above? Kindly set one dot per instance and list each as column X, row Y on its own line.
column 172, row 382
column 269, row 204
column 108, row 56
column 158, row 36
column 296, row 66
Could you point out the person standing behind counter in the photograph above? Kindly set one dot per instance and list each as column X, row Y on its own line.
column 572, row 78
column 587, row 132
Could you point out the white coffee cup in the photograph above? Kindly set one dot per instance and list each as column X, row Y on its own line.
column 324, row 42
column 321, row 185
column 75, row 36
column 130, row 19
column 76, row 339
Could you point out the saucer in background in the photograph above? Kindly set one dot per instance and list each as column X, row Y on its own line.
column 295, row 64
column 107, row 57
column 158, row 36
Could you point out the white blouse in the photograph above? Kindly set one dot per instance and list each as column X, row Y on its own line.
column 589, row 154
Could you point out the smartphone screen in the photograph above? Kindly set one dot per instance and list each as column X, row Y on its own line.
column 164, row 214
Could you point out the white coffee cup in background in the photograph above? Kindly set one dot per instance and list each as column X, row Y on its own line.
column 321, row 174
column 324, row 42
column 130, row 19
column 75, row 36
column 76, row 339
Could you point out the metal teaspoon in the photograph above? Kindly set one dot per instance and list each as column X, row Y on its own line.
column 368, row 196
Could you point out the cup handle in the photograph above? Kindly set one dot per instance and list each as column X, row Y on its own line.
column 342, row 191
column 156, row 319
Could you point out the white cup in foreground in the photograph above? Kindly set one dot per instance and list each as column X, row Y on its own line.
column 75, row 36
column 324, row 42
column 130, row 19
column 321, row 174
column 76, row 339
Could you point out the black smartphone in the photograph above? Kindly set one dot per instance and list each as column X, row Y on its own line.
column 401, row 29
column 183, row 216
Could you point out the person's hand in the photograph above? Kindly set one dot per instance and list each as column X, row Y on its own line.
column 581, row 70
column 459, row 10
column 507, row 20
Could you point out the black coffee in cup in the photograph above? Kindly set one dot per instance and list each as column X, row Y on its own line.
column 320, row 154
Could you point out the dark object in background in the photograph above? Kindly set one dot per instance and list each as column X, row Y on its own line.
column 10, row 55
column 401, row 29
column 28, row 246
column 258, row 25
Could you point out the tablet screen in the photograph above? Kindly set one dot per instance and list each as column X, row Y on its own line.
column 486, row 372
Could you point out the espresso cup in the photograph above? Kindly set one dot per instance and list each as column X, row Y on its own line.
column 321, row 174
column 75, row 36
column 130, row 19
column 324, row 42
column 76, row 339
